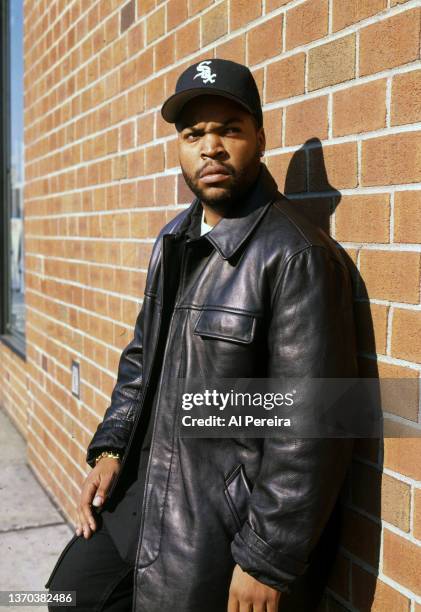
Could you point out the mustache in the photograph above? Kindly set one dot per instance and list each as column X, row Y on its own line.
column 230, row 170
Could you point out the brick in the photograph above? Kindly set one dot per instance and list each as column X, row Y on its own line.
column 121, row 225
column 128, row 195
column 135, row 101
column 233, row 50
column 331, row 63
column 136, row 163
column 400, row 397
column 128, row 78
column 285, row 78
column 391, row 160
column 119, row 167
column 381, row 495
column 155, row 92
column 406, row 98
column 156, row 220
column 406, row 335
column 135, row 38
column 333, row 166
column 162, row 128
column 370, row 594
column 389, row 43
column 316, row 209
column 371, row 327
column 347, row 12
column 289, row 171
column 195, row 6
column 306, row 22
column 126, row 136
column 241, row 12
column 155, row 25
column 187, row 39
column 417, row 514
column 362, row 218
column 401, row 561
column 145, row 192
column 119, row 52
column 391, row 275
column 259, row 77
column 139, row 225
column 359, row 109
column 401, row 455
column 184, row 195
column 165, row 52
column 171, row 154
column 144, row 128
column 177, row 13
column 144, row 65
column 145, row 6
column 127, row 15
column 361, row 537
column 272, row 121
column 305, row 120
column 214, row 24
column 165, row 189
column 407, row 213
column 264, row 41
column 154, row 159
column 274, row 4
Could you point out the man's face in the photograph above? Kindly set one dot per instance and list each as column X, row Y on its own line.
column 219, row 147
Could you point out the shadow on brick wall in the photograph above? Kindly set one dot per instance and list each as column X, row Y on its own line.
column 351, row 562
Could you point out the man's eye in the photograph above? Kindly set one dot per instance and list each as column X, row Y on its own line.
column 232, row 130
column 191, row 137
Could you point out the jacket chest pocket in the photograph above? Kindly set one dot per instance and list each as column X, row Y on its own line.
column 224, row 325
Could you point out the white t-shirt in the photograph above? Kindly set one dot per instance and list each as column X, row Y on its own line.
column 205, row 227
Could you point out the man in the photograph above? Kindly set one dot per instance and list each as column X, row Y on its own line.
column 239, row 285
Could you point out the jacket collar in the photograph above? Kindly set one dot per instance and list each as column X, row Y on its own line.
column 229, row 233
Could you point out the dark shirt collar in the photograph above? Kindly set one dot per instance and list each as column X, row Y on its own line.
column 230, row 232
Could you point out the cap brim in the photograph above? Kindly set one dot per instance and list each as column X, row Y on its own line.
column 172, row 107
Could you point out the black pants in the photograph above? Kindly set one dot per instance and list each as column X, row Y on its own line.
column 94, row 569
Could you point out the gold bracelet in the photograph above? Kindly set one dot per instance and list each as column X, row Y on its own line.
column 107, row 454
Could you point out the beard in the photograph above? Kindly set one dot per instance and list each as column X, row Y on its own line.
column 224, row 199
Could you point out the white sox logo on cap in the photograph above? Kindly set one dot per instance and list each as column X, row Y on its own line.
column 204, row 72
column 214, row 76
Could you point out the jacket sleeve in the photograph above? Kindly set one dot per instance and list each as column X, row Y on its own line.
column 114, row 430
column 311, row 334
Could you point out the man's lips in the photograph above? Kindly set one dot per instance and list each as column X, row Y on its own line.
column 214, row 174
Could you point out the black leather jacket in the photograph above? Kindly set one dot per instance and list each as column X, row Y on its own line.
column 267, row 294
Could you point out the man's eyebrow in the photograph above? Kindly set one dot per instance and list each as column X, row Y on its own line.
column 224, row 123
column 233, row 120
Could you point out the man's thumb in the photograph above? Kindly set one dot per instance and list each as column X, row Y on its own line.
column 99, row 498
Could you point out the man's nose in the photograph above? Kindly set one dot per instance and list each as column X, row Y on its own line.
column 212, row 146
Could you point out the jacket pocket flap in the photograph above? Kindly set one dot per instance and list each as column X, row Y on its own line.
column 230, row 326
column 237, row 492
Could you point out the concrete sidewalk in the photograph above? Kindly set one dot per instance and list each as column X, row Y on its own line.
column 33, row 532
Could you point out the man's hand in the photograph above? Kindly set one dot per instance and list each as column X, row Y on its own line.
column 94, row 490
column 246, row 594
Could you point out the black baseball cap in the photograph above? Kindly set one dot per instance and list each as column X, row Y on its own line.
column 218, row 77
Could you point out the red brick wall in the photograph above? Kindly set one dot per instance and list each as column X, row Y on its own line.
column 102, row 178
